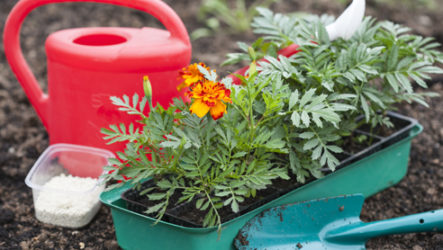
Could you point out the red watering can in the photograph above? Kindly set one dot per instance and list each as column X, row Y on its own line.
column 88, row 65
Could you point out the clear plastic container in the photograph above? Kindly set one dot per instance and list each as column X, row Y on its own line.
column 65, row 184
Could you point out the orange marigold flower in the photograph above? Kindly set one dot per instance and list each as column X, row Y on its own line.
column 209, row 97
column 191, row 75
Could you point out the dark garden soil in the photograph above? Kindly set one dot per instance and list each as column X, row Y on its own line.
column 23, row 138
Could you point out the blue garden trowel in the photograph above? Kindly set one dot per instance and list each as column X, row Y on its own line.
column 330, row 223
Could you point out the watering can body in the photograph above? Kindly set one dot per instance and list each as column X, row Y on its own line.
column 86, row 66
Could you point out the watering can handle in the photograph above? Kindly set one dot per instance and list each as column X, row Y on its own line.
column 11, row 40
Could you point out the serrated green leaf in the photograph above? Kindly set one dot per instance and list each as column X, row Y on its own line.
column 241, row 192
column 342, row 107
column 305, row 118
column 322, row 33
column 228, row 201
column 431, row 70
column 205, row 205
column 295, row 118
column 148, row 190
column 311, row 144
column 156, row 196
column 316, row 119
column 123, row 128
column 143, row 104
column 164, row 184
column 368, row 69
column 292, row 161
column 293, row 99
column 134, row 100
column 365, row 108
column 307, row 97
column 317, row 152
column 155, row 208
column 375, row 99
column 404, row 82
column 224, row 193
column 199, row 203
column 239, row 154
column 419, row 81
column 335, row 149
column 390, row 78
column 170, row 144
column 276, row 143
column 323, row 159
column 126, row 99
column 239, row 199
column 207, row 218
column 234, row 206
column 392, row 58
column 307, row 135
column 211, row 76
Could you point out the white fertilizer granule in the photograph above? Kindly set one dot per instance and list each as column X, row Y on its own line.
column 67, row 201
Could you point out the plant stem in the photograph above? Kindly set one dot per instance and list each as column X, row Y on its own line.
column 215, row 210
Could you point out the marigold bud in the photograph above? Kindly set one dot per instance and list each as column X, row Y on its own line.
column 252, row 54
column 252, row 68
column 147, row 87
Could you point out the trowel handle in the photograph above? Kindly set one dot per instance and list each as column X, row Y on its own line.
column 431, row 221
column 11, row 40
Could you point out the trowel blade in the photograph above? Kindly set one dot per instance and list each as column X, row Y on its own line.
column 301, row 225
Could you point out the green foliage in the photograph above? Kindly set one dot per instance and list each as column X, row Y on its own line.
column 374, row 69
column 411, row 4
column 236, row 15
column 288, row 116
column 217, row 163
column 332, row 83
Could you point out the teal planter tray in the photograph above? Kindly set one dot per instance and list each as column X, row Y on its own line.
column 367, row 176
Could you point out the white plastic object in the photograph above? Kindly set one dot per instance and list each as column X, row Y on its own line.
column 348, row 22
column 66, row 185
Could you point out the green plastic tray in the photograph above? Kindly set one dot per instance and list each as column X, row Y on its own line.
column 367, row 176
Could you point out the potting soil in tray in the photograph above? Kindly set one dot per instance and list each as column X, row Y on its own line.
column 378, row 138
column 140, row 203
column 187, row 215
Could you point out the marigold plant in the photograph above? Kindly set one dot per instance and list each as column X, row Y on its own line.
column 218, row 160
column 287, row 118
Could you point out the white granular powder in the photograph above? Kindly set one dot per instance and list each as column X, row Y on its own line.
column 60, row 202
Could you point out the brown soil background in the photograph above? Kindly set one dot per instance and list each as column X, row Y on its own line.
column 23, row 138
